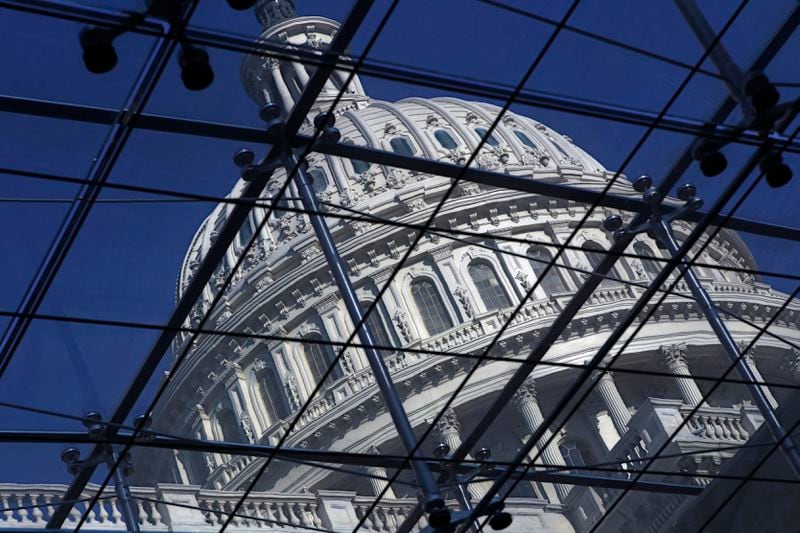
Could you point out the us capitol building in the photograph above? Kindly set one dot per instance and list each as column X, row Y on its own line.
column 450, row 296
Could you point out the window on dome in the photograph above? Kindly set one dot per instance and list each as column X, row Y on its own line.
column 318, row 180
column 228, row 425
column 524, row 139
column 318, row 357
column 402, row 146
column 574, row 453
column 491, row 140
column 595, row 254
column 378, row 327
column 272, row 392
column 431, row 308
column 651, row 267
column 445, row 139
column 552, row 283
column 489, row 288
column 359, row 167
column 246, row 233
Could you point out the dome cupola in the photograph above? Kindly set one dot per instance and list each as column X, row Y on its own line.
column 280, row 78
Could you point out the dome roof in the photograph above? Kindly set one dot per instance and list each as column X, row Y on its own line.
column 446, row 129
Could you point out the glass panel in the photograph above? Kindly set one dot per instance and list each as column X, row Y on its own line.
column 552, row 282
column 523, row 137
column 446, row 140
column 491, row 140
column 431, row 308
column 400, row 145
column 492, row 293
column 359, row 167
column 594, row 254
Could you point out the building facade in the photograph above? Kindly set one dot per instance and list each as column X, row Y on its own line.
column 452, row 295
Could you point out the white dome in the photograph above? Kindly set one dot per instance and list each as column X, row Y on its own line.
column 446, row 129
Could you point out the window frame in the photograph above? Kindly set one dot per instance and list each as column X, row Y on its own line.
column 449, row 322
column 500, row 288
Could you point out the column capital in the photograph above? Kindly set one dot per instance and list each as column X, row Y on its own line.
column 448, row 424
column 526, row 392
column 748, row 352
column 604, row 375
column 674, row 354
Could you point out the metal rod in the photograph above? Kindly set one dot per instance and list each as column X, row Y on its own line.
column 664, row 233
column 430, row 489
column 730, row 71
column 123, row 491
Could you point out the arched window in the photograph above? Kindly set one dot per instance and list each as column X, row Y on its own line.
column 318, row 358
column 445, row 139
column 401, row 145
column 272, row 391
column 229, row 425
column 595, row 254
column 318, row 180
column 483, row 133
column 359, row 166
column 524, row 139
column 651, row 267
column 552, row 283
column 489, row 288
column 573, row 452
column 246, row 233
column 432, row 311
column 378, row 327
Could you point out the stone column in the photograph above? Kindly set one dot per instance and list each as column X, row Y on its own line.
column 378, row 481
column 251, row 425
column 213, row 460
column 528, row 406
column 675, row 359
column 283, row 90
column 750, row 359
column 617, row 410
column 448, row 430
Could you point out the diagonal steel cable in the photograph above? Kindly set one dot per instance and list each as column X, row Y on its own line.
column 293, row 124
column 642, row 303
column 538, row 353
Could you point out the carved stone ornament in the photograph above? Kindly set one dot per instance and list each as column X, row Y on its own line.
column 448, row 424
column 401, row 323
column 464, row 301
column 674, row 355
column 526, row 392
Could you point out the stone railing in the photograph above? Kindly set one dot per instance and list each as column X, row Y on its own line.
column 190, row 508
column 703, row 441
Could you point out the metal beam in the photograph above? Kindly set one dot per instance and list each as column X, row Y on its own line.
column 337, row 457
column 487, row 178
column 209, row 264
column 237, row 43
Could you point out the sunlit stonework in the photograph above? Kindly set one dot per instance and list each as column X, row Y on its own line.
column 451, row 296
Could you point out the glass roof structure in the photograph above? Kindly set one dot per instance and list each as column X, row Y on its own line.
column 399, row 266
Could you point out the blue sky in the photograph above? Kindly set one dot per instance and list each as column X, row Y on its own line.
column 124, row 264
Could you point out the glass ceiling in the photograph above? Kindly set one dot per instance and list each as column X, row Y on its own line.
column 110, row 180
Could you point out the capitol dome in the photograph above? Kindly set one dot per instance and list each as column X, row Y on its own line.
column 447, row 129
column 449, row 298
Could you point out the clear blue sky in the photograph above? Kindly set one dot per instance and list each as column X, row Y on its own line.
column 124, row 264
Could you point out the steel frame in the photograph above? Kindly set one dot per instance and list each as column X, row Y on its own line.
column 375, row 156
column 217, row 250
column 488, row 178
column 232, row 42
